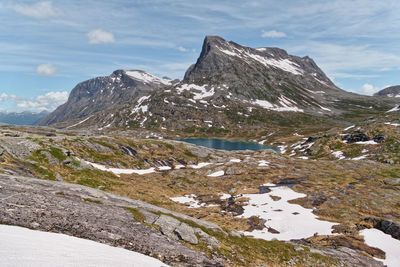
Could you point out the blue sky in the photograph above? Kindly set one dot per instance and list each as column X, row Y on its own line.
column 47, row 47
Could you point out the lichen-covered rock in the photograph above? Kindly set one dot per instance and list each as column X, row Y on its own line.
column 186, row 233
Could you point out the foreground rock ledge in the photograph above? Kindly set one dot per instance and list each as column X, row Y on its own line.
column 64, row 208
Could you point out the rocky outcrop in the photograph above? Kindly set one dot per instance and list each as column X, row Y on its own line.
column 92, row 214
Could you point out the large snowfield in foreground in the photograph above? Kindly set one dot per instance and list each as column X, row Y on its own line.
column 385, row 242
column 24, row 247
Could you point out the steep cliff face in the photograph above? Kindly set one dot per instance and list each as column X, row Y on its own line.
column 100, row 93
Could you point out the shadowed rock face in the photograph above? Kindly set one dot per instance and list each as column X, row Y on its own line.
column 392, row 91
column 91, row 214
column 101, row 93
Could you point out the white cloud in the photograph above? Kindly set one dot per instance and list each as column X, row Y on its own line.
column 6, row 97
column 99, row 36
column 49, row 101
column 47, row 69
column 182, row 49
column 39, row 10
column 348, row 61
column 369, row 89
column 273, row 34
column 385, row 69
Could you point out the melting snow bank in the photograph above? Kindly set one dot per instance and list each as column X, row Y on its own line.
column 188, row 200
column 191, row 201
column 25, row 247
column 385, row 242
column 290, row 221
column 118, row 171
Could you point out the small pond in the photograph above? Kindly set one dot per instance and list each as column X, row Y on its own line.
column 227, row 145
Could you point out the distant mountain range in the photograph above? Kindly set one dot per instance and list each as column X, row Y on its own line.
column 230, row 86
column 392, row 91
column 22, row 118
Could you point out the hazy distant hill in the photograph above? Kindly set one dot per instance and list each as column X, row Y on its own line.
column 22, row 118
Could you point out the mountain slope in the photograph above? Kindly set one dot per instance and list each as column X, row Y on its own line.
column 100, row 93
column 392, row 91
column 237, row 87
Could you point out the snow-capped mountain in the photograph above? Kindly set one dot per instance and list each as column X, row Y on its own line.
column 101, row 93
column 391, row 91
column 236, row 86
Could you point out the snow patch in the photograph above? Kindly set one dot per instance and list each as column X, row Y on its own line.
column 338, row 154
column 396, row 108
column 292, row 221
column 76, row 124
column 263, row 163
column 370, row 142
column 118, row 171
column 393, row 124
column 385, row 242
column 200, row 165
column 188, row 200
column 286, row 105
column 146, row 77
column 283, row 64
column 216, row 174
column 348, row 128
column 199, row 92
column 25, row 247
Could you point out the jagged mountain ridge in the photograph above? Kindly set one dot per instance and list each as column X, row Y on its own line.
column 391, row 91
column 100, row 93
column 231, row 84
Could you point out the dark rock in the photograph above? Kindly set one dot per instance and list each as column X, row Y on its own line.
column 256, row 223
column 264, row 189
column 233, row 207
column 356, row 136
column 312, row 139
column 273, row 231
column 379, row 138
column 387, row 226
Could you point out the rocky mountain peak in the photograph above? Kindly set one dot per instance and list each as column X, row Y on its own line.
column 220, row 58
column 100, row 93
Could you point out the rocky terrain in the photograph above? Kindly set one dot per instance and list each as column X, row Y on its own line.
column 109, row 167
column 136, row 181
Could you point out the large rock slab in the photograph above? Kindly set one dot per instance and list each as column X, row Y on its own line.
column 92, row 214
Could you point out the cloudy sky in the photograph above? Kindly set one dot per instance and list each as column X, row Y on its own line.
column 47, row 47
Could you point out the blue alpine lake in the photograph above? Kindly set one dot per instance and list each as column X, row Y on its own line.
column 227, row 145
